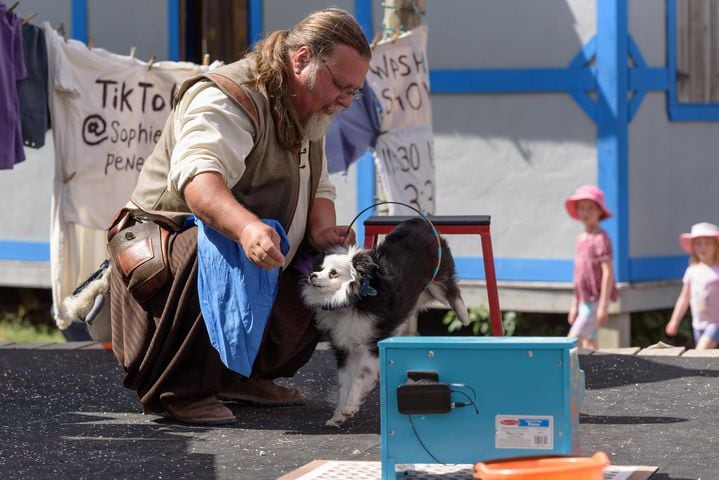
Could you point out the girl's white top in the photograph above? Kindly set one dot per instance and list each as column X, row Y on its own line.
column 703, row 283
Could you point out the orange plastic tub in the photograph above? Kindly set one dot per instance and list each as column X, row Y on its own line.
column 544, row 468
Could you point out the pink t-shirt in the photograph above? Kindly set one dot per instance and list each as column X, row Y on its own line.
column 703, row 283
column 592, row 249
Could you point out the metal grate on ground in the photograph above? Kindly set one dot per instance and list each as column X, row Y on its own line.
column 343, row 470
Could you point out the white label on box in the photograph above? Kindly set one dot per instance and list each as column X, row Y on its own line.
column 524, row 432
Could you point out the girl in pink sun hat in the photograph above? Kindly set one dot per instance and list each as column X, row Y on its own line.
column 587, row 192
column 700, row 292
column 594, row 286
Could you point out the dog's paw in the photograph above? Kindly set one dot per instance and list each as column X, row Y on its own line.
column 350, row 411
column 62, row 322
column 335, row 421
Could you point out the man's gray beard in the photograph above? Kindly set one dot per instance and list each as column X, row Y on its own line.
column 316, row 126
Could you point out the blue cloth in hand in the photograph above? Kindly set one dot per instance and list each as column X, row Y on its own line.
column 236, row 296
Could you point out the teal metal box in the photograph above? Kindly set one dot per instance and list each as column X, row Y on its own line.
column 527, row 391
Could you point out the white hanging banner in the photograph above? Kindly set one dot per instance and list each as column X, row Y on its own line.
column 405, row 164
column 108, row 112
column 399, row 77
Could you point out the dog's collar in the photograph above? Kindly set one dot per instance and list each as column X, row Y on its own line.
column 365, row 290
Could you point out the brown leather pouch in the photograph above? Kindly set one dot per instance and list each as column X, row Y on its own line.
column 140, row 251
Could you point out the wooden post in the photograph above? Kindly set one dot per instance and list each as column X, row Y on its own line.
column 401, row 16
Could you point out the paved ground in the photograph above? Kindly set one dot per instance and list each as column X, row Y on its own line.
column 65, row 414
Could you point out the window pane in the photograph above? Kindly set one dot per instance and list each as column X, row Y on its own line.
column 698, row 51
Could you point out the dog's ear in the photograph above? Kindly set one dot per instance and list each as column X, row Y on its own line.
column 318, row 259
column 363, row 264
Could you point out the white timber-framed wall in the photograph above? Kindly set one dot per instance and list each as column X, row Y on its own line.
column 530, row 100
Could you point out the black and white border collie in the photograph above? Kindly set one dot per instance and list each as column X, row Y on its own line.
column 361, row 297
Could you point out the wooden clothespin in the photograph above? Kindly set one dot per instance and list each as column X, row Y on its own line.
column 150, row 62
column 61, row 31
column 91, row 43
column 27, row 19
column 376, row 39
column 206, row 59
column 395, row 36
column 133, row 52
column 14, row 6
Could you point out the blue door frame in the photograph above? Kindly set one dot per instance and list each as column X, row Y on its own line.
column 610, row 78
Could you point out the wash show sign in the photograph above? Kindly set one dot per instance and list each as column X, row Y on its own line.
column 404, row 154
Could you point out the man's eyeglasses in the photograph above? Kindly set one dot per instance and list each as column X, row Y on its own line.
column 355, row 93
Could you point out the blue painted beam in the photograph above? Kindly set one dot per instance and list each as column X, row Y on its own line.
column 643, row 80
column 644, row 269
column 363, row 14
column 254, row 21
column 583, row 59
column 649, row 79
column 586, row 103
column 79, row 20
column 517, row 269
column 24, row 251
column 366, row 173
column 613, row 125
column 366, row 191
column 173, row 30
column 694, row 112
column 641, row 269
column 529, row 80
column 636, row 55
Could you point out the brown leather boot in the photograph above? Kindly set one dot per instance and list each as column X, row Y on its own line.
column 263, row 392
column 205, row 411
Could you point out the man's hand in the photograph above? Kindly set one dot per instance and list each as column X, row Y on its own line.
column 332, row 236
column 261, row 244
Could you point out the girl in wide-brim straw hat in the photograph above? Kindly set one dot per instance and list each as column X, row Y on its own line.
column 701, row 286
column 698, row 230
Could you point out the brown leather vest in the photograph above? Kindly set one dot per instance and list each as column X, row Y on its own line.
column 269, row 186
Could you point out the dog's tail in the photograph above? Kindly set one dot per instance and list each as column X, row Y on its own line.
column 459, row 307
column 85, row 303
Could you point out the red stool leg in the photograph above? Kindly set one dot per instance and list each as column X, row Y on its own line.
column 495, row 315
